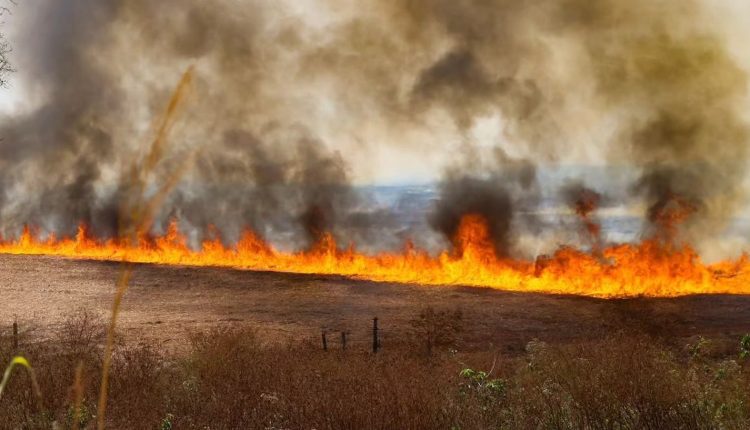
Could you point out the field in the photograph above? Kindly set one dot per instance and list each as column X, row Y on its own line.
column 217, row 348
column 164, row 302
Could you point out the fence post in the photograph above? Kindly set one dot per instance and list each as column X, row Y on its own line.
column 343, row 341
column 325, row 343
column 15, row 336
column 375, row 341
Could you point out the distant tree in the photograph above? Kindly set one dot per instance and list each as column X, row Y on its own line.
column 5, row 66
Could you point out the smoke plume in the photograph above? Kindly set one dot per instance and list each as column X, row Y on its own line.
column 659, row 69
column 290, row 103
column 585, row 201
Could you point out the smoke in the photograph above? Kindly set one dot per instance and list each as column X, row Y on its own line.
column 66, row 161
column 683, row 127
column 291, row 103
column 53, row 158
column 497, row 192
column 271, row 184
column 585, row 201
column 658, row 71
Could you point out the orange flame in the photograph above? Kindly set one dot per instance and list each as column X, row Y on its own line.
column 648, row 268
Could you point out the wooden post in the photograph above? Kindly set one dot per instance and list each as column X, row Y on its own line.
column 343, row 341
column 15, row 336
column 325, row 343
column 375, row 341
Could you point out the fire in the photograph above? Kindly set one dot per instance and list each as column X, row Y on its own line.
column 648, row 268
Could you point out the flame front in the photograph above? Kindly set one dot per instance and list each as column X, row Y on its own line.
column 644, row 269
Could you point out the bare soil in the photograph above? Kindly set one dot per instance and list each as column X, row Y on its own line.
column 165, row 302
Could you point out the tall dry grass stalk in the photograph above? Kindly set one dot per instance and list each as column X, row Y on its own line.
column 78, row 395
column 138, row 211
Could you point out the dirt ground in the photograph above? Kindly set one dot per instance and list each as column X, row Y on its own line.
column 166, row 302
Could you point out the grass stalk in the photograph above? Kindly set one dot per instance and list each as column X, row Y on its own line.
column 140, row 218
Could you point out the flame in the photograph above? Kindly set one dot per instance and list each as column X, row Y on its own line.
column 645, row 269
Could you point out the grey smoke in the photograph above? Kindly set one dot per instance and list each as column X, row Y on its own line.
column 658, row 74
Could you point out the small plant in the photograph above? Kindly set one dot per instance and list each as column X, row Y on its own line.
column 745, row 346
column 479, row 382
column 166, row 422
column 726, row 369
column 699, row 348
column 79, row 417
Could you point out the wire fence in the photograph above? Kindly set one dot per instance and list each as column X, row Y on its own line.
column 370, row 336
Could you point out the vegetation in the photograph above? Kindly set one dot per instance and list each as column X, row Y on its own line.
column 437, row 328
column 5, row 66
column 228, row 378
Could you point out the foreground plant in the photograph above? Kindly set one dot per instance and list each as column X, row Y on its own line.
column 23, row 362
column 745, row 346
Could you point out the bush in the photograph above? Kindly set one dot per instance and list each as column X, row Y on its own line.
column 437, row 328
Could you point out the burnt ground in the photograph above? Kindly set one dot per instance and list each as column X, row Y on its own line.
column 164, row 303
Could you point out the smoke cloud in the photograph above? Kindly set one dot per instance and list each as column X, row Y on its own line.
column 287, row 95
column 658, row 69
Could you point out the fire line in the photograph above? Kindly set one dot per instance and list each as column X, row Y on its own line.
column 648, row 268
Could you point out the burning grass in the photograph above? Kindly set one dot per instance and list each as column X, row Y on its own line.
column 229, row 378
column 650, row 268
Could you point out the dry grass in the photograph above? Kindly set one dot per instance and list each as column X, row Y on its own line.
column 230, row 379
